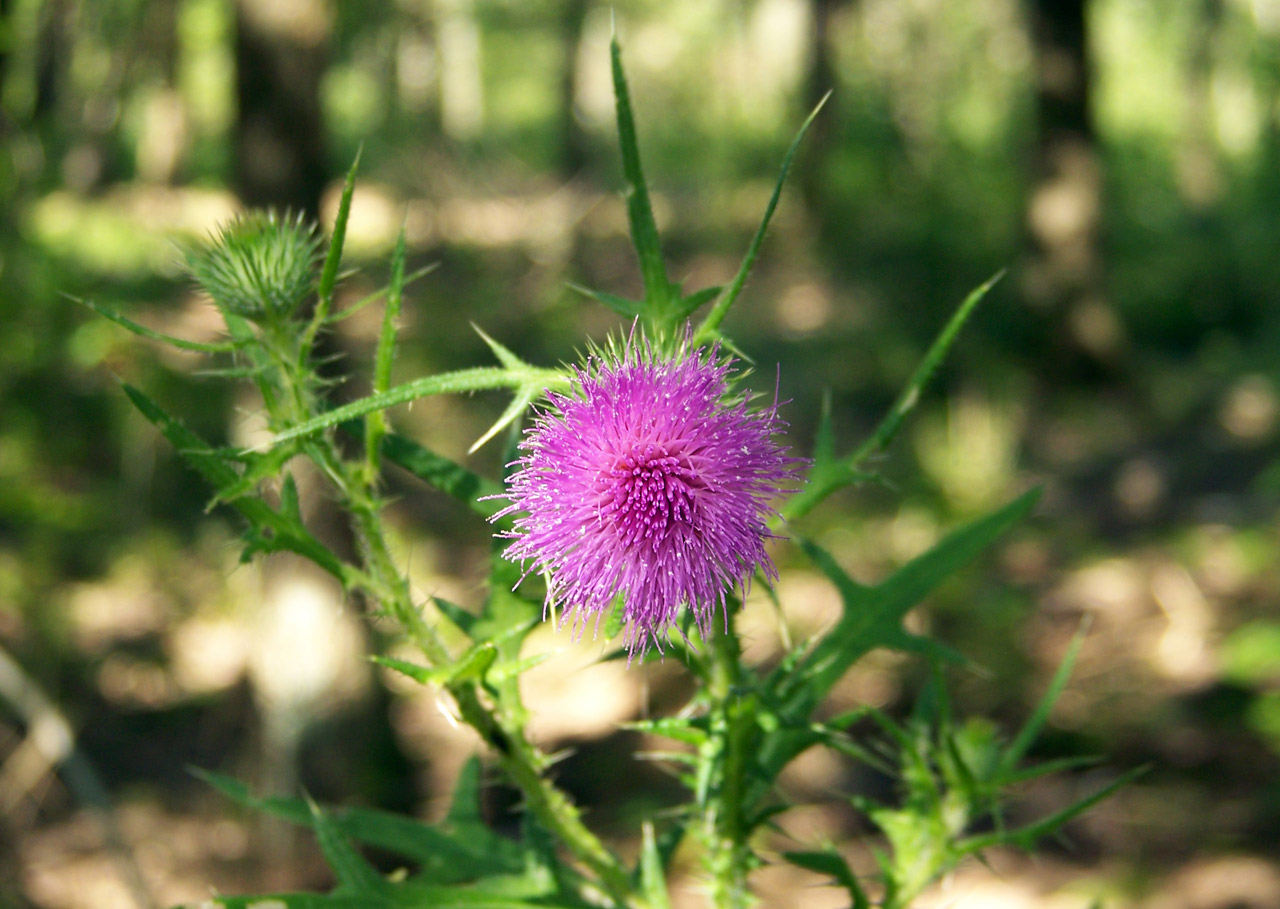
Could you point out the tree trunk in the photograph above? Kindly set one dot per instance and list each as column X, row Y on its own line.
column 1063, row 276
column 573, row 142
column 281, row 52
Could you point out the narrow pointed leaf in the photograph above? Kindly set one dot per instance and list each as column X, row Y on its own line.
column 355, row 875
column 644, row 229
column 653, row 883
column 461, row 849
column 623, row 306
column 504, row 355
column 142, row 331
column 1026, row 837
column 827, row 480
column 381, row 292
column 834, row 866
column 696, row 300
column 1031, row 729
column 712, row 322
column 286, row 532
column 438, row 471
column 519, row 404
column 873, row 615
column 462, row 380
column 337, row 239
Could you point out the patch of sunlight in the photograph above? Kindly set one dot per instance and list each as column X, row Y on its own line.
column 206, row 74
column 572, row 693
column 130, row 231
column 1251, row 653
column 1237, row 111
column 353, row 100
column 971, row 451
column 1140, row 88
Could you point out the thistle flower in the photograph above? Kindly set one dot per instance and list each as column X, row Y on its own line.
column 651, row 480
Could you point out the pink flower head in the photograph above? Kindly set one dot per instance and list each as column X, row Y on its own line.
column 649, row 479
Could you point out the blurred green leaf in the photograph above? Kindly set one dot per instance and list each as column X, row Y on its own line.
column 653, row 883
column 276, row 531
column 355, row 875
column 832, row 864
column 462, row 849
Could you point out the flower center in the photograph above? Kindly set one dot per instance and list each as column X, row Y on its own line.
column 648, row 492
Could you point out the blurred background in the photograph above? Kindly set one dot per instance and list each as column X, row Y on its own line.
column 1120, row 157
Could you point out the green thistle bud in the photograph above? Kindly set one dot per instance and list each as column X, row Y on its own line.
column 259, row 266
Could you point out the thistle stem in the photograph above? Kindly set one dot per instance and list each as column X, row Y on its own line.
column 517, row 756
column 732, row 727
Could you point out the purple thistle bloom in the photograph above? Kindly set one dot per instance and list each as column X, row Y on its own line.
column 649, row 479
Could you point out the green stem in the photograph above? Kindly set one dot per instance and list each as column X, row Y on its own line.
column 519, row 759
column 733, row 724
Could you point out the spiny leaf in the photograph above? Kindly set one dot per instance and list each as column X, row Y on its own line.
column 329, row 274
column 461, row 849
column 829, row 474
column 376, row 422
column 696, row 300
column 462, row 380
column 285, row 531
column 144, row 332
column 1026, row 837
column 519, row 404
column 438, row 471
column 644, row 229
column 380, row 293
column 712, row 322
column 834, row 866
column 621, row 305
column 873, row 615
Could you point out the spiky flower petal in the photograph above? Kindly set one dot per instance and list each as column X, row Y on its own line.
column 650, row 479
